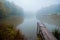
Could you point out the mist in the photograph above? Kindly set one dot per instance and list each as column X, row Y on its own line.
column 34, row 5
column 10, row 13
column 23, row 15
column 50, row 14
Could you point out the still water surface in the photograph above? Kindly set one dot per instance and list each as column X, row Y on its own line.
column 29, row 27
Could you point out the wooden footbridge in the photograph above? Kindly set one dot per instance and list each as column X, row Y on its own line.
column 44, row 33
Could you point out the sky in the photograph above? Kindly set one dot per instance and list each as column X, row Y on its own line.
column 34, row 5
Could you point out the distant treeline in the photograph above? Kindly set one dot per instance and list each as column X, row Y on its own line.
column 10, row 16
column 10, row 13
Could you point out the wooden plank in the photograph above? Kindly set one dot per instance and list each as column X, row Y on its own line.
column 45, row 33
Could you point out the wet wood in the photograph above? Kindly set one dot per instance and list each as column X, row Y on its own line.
column 43, row 31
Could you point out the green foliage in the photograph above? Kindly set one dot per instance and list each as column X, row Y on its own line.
column 19, row 36
column 10, row 9
column 8, row 32
column 8, row 12
column 56, row 33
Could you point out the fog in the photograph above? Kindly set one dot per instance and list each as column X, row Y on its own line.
column 50, row 15
column 34, row 5
column 24, row 14
column 31, row 7
column 10, row 13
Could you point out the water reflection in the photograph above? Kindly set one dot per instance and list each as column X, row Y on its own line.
column 29, row 27
column 10, row 13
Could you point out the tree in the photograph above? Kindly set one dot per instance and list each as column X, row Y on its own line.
column 10, row 13
column 10, row 17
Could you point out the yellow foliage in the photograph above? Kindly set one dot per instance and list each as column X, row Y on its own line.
column 8, row 32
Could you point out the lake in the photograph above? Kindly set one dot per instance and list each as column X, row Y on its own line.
column 29, row 27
